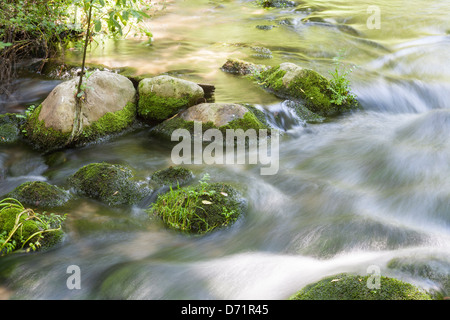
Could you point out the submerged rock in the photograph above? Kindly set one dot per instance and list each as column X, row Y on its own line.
column 290, row 81
column 110, row 183
column 172, row 176
column 277, row 3
column 9, row 128
column 240, row 67
column 354, row 287
column 164, row 96
column 199, row 209
column 108, row 107
column 40, row 194
column 220, row 116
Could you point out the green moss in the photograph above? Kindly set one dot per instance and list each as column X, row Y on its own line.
column 354, row 287
column 108, row 183
column 29, row 229
column 49, row 139
column 110, row 123
column 250, row 120
column 154, row 107
column 39, row 193
column 199, row 209
column 41, row 137
column 172, row 176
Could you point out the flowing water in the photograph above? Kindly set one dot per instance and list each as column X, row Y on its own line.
column 368, row 188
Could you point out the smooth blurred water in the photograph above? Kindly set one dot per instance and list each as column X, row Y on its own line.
column 360, row 190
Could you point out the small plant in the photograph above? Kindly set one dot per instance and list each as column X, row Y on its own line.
column 339, row 84
column 198, row 209
column 23, row 228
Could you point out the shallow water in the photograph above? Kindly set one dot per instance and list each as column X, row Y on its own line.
column 361, row 190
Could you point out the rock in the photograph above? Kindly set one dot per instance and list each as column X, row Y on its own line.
column 240, row 67
column 108, row 108
column 172, row 176
column 277, row 3
column 164, row 96
column 290, row 81
column 110, row 183
column 354, row 287
column 9, row 128
column 199, row 209
column 220, row 116
column 40, row 194
column 31, row 228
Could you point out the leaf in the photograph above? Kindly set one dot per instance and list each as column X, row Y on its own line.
column 224, row 194
column 98, row 25
column 206, row 202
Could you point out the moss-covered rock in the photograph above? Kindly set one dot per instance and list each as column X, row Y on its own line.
column 110, row 183
column 108, row 108
column 240, row 67
column 172, row 176
column 22, row 228
column 40, row 194
column 293, row 82
column 9, row 128
column 276, row 3
column 354, row 287
column 164, row 96
column 429, row 269
column 220, row 116
column 199, row 209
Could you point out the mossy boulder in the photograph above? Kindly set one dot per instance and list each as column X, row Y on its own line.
column 27, row 229
column 108, row 107
column 40, row 194
column 171, row 176
column 112, row 184
column 290, row 81
column 354, row 287
column 241, row 67
column 9, row 128
column 220, row 116
column 277, row 3
column 164, row 96
column 199, row 209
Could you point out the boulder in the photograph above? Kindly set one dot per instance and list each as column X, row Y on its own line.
column 220, row 116
column 164, row 96
column 108, row 107
column 9, row 128
column 40, row 194
column 199, row 209
column 290, row 81
column 28, row 229
column 171, row 176
column 354, row 287
column 112, row 184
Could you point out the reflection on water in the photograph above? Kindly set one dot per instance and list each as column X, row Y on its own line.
column 360, row 190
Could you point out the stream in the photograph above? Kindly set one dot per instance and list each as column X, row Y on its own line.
column 368, row 188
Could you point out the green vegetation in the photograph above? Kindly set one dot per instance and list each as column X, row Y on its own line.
column 39, row 193
column 24, row 229
column 354, row 287
column 340, row 84
column 198, row 209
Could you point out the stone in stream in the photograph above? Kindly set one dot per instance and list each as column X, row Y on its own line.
column 220, row 116
column 39, row 194
column 172, row 176
column 9, row 127
column 112, row 184
column 355, row 287
column 162, row 97
column 109, row 107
